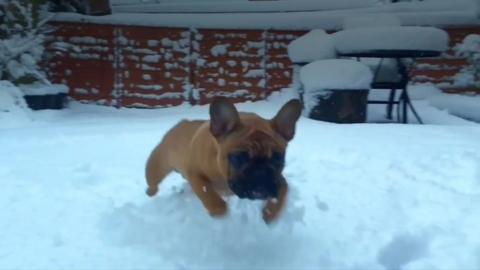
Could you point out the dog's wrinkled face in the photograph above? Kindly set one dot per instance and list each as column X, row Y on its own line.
column 252, row 149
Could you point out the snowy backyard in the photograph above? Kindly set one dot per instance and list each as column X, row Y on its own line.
column 365, row 196
column 84, row 99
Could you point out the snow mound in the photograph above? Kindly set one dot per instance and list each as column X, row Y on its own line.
column 13, row 109
column 391, row 38
column 336, row 74
column 315, row 45
column 460, row 105
column 380, row 20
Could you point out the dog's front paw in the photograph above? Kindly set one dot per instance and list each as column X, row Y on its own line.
column 218, row 210
column 271, row 210
column 151, row 191
column 269, row 215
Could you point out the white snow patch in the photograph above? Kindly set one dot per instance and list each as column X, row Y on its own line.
column 232, row 63
column 88, row 40
column 221, row 82
column 168, row 56
column 255, row 73
column 153, row 58
column 153, row 43
column 219, row 49
column 156, row 96
column 236, row 93
column 150, row 87
column 315, row 45
column 81, row 91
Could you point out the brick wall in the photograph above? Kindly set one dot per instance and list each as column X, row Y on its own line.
column 133, row 66
column 82, row 61
column 137, row 66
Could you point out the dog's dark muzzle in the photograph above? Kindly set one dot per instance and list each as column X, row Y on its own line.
column 255, row 184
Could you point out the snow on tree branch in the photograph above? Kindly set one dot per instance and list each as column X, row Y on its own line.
column 21, row 40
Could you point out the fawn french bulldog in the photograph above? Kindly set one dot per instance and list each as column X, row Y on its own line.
column 233, row 153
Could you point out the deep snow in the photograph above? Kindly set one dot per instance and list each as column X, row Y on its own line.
column 365, row 196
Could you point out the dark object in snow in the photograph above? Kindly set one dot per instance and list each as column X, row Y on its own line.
column 43, row 102
column 341, row 106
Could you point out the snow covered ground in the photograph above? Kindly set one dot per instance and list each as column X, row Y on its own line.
column 365, row 196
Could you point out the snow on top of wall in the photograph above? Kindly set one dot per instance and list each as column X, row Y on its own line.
column 391, row 38
column 438, row 13
column 335, row 74
column 371, row 20
column 315, row 45
column 221, row 6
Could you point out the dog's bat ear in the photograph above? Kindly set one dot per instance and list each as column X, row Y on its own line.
column 285, row 120
column 223, row 117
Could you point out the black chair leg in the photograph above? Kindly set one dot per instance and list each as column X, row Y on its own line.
column 402, row 107
column 399, row 104
column 409, row 103
column 391, row 99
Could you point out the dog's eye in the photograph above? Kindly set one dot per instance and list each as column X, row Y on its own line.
column 278, row 159
column 238, row 159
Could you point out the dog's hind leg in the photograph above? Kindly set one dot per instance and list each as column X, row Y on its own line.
column 157, row 168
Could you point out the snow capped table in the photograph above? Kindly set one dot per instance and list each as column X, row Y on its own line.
column 394, row 42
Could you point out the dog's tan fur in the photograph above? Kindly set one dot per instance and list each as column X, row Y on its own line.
column 191, row 149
